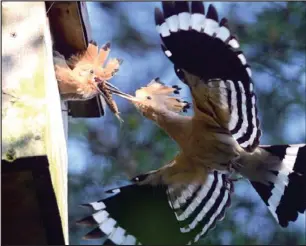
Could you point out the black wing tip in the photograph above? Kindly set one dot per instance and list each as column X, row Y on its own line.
column 109, row 242
column 85, row 205
column 212, row 13
column 89, row 220
column 168, row 8
column 197, row 7
column 159, row 17
column 181, row 6
column 94, row 234
column 224, row 22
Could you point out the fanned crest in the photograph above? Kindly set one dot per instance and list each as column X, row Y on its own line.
column 200, row 45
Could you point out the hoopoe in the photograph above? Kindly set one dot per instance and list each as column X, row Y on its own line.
column 82, row 76
column 180, row 202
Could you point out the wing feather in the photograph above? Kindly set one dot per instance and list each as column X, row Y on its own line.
column 204, row 50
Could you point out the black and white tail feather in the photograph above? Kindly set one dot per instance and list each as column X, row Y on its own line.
column 145, row 214
column 202, row 46
column 285, row 194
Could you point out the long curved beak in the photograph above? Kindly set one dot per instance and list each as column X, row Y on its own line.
column 113, row 89
column 117, row 92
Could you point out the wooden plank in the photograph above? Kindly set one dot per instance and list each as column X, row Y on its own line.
column 56, row 135
column 24, row 104
column 71, row 32
column 31, row 115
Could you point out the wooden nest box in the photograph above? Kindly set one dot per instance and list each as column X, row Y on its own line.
column 34, row 120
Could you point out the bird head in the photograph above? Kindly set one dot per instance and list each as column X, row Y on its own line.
column 157, row 99
column 91, row 64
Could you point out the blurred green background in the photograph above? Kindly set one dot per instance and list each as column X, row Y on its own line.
column 102, row 154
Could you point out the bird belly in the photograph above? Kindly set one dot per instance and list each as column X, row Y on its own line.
column 214, row 151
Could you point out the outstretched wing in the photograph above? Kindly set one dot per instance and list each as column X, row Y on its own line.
column 206, row 56
column 160, row 215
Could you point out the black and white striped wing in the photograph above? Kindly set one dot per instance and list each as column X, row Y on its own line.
column 200, row 45
column 156, row 215
column 286, row 195
column 198, row 207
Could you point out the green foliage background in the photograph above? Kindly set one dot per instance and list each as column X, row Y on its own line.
column 102, row 154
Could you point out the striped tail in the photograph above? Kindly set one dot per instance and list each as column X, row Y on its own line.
column 159, row 215
column 286, row 195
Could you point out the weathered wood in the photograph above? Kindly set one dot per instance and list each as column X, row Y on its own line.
column 71, row 32
column 32, row 124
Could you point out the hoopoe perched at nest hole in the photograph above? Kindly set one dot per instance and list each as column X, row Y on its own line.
column 84, row 76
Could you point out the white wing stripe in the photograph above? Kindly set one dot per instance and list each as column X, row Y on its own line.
column 197, row 22
column 211, row 27
column 223, row 33
column 244, row 125
column 164, row 30
column 208, row 205
column 184, row 21
column 250, row 141
column 234, row 106
column 186, row 194
column 234, row 43
column 97, row 205
column 100, row 216
column 201, row 194
column 173, row 23
column 212, row 218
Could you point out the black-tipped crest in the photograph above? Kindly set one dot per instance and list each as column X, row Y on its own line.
column 93, row 42
column 106, row 46
column 120, row 61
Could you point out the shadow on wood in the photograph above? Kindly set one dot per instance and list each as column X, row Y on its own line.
column 71, row 32
column 30, row 214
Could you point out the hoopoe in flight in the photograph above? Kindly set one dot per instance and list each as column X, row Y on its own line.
column 180, row 202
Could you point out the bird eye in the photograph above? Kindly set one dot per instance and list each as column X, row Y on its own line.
column 149, row 98
column 91, row 71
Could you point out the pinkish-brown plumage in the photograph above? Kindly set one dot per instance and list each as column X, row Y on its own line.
column 85, row 74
